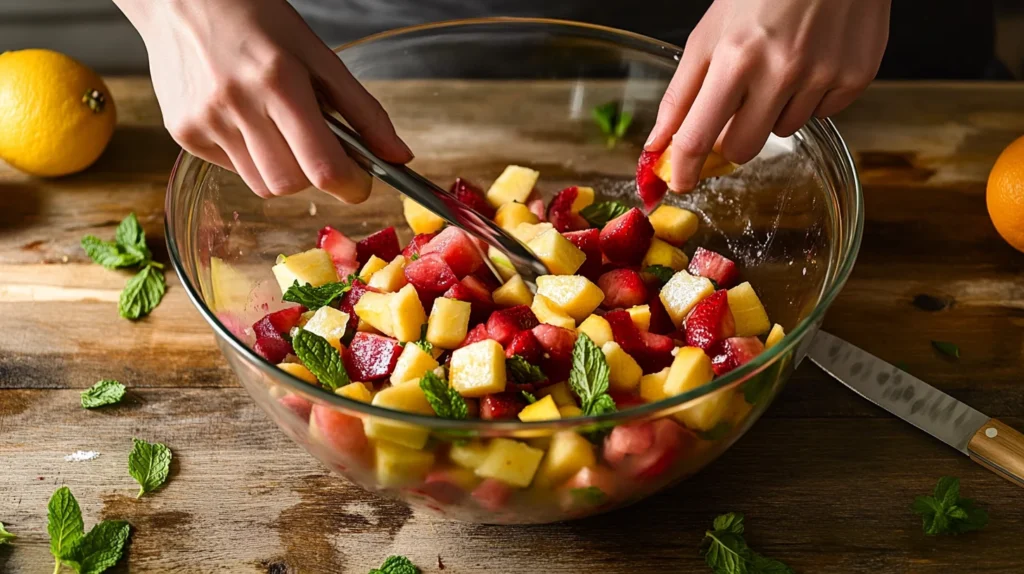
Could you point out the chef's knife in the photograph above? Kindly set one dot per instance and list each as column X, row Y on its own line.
column 989, row 442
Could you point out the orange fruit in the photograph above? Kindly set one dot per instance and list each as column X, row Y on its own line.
column 1005, row 194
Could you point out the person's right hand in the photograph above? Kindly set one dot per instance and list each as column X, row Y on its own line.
column 235, row 81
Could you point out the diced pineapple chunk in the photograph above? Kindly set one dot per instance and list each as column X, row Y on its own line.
column 714, row 165
column 298, row 371
column 706, row 412
column 514, row 184
column 652, row 386
column 673, row 224
column 690, row 369
column 641, row 316
column 391, row 277
column 513, row 292
column 407, row 315
column 373, row 265
column 364, row 327
column 511, row 462
column 478, row 369
column 449, row 321
column 574, row 294
column 567, row 454
column 584, row 197
column 747, row 310
column 547, row 311
column 375, row 309
column 623, row 371
column 661, row 253
column 556, row 252
column 356, row 392
column 408, row 398
column 597, row 328
column 542, row 410
column 776, row 335
column 329, row 323
column 419, row 218
column 524, row 232
column 314, row 267
column 681, row 293
column 399, row 466
column 512, row 214
column 570, row 411
column 469, row 455
column 501, row 263
column 412, row 364
column 559, row 392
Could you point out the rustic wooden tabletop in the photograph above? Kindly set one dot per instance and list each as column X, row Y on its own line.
column 825, row 479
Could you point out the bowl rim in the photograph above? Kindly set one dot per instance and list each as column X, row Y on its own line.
column 646, row 410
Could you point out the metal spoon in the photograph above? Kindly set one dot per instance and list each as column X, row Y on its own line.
column 438, row 201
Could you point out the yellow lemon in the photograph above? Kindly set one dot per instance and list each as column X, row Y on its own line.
column 56, row 115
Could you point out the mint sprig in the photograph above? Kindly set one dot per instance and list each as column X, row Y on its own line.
column 524, row 372
column 143, row 292
column 85, row 553
column 662, row 272
column 726, row 552
column 530, row 397
column 321, row 358
column 589, row 377
column 944, row 512
column 5, row 537
column 63, row 523
column 446, row 401
column 149, row 464
column 313, row 298
column 105, row 392
column 613, row 121
column 600, row 213
column 396, row 565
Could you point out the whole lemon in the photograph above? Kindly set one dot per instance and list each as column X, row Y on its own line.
column 56, row 115
column 1005, row 194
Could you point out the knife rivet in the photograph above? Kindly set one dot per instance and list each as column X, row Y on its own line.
column 991, row 432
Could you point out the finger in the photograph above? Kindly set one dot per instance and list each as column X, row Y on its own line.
column 797, row 111
column 747, row 131
column 319, row 155
column 679, row 96
column 835, row 100
column 234, row 147
column 717, row 101
column 273, row 158
column 215, row 155
column 361, row 109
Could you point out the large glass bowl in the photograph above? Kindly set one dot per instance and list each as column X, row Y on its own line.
column 470, row 97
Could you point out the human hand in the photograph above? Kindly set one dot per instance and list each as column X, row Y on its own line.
column 752, row 67
column 235, row 81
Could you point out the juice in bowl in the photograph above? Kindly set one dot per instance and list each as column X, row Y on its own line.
column 385, row 343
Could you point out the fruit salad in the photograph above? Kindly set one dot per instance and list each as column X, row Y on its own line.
column 442, row 326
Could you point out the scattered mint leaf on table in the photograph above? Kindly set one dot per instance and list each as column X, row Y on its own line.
column 946, row 348
column 5, row 537
column 944, row 512
column 110, row 254
column 101, row 548
column 726, row 552
column 662, row 272
column 322, row 359
column 446, row 401
column 142, row 293
column 600, row 213
column 132, row 238
column 63, row 523
column 149, row 464
column 396, row 565
column 313, row 298
column 105, row 392
column 523, row 372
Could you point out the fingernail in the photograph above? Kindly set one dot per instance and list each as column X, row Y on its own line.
column 407, row 149
column 651, row 137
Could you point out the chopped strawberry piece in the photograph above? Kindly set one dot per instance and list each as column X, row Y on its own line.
column 557, row 343
column 371, row 357
column 273, row 349
column 599, row 477
column 279, row 323
column 472, row 196
column 473, row 291
column 624, row 440
column 503, row 324
column 457, row 249
column 666, row 445
column 710, row 321
column 342, row 433
column 589, row 242
column 651, row 351
column 430, row 275
column 733, row 352
column 536, row 207
column 492, row 494
column 649, row 186
column 526, row 345
column 417, row 243
column 657, row 354
column 442, row 487
column 623, row 288
column 383, row 244
column 661, row 323
column 487, row 279
column 341, row 249
column 624, row 400
column 560, row 212
column 475, row 335
column 501, row 406
column 297, row 405
column 349, row 300
column 715, row 267
column 625, row 239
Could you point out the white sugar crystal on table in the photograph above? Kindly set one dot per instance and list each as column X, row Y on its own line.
column 81, row 456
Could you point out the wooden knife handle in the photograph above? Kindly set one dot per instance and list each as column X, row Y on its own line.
column 999, row 448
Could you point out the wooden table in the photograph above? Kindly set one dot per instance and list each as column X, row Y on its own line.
column 825, row 479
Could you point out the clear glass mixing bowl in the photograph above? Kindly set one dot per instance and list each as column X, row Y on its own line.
column 470, row 97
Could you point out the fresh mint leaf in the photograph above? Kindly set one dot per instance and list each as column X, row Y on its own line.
column 530, row 398
column 946, row 348
column 622, row 124
column 63, row 523
column 589, row 375
column 523, row 372
column 5, row 537
column 598, row 214
column 396, row 565
column 313, row 298
column 110, row 254
column 604, row 117
column 149, row 464
column 132, row 238
column 142, row 293
column 101, row 548
column 414, row 257
column 446, row 401
column 322, row 359
column 423, row 343
column 588, row 496
column 661, row 272
column 105, row 392
column 719, row 431
column 601, row 405
column 944, row 512
column 726, row 552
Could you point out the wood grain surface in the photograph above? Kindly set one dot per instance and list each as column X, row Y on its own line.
column 825, row 479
